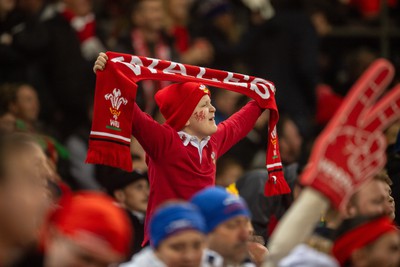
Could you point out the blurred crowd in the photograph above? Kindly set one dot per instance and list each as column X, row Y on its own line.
column 47, row 52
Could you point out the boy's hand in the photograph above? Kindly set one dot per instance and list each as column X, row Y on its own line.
column 100, row 63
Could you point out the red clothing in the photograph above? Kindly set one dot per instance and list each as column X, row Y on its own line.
column 182, row 39
column 175, row 171
column 371, row 7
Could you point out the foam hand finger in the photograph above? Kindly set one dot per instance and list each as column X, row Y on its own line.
column 364, row 93
column 352, row 149
column 385, row 112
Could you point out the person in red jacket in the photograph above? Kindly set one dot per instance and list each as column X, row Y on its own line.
column 182, row 152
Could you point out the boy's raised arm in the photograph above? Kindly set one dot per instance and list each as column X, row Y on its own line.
column 154, row 138
column 237, row 126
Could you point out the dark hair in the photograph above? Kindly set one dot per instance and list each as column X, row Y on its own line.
column 112, row 179
column 353, row 223
column 10, row 142
column 224, row 163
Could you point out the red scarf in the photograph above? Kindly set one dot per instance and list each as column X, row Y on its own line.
column 115, row 96
column 84, row 26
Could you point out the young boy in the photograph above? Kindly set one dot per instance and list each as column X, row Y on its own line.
column 182, row 153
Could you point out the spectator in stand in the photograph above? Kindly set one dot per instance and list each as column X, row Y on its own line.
column 290, row 140
column 226, row 103
column 222, row 30
column 114, row 19
column 266, row 211
column 131, row 191
column 67, row 49
column 82, row 20
column 59, row 40
column 390, row 203
column 177, row 238
column 22, row 102
column 228, row 172
column 288, row 56
column 227, row 225
column 30, row 39
column 147, row 38
column 195, row 52
column 85, row 229
column 371, row 199
column 176, row 20
column 24, row 195
column 367, row 242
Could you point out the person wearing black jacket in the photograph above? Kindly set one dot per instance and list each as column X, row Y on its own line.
column 131, row 191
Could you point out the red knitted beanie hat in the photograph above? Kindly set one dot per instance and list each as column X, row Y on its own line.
column 178, row 101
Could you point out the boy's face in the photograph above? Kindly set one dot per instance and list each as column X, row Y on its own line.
column 202, row 124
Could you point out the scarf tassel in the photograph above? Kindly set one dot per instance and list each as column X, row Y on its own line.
column 102, row 153
column 276, row 185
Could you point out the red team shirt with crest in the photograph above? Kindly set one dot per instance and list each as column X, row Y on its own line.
column 175, row 170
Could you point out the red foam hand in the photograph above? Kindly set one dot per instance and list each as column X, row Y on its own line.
column 352, row 147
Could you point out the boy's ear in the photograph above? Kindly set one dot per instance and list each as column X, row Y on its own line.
column 187, row 123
